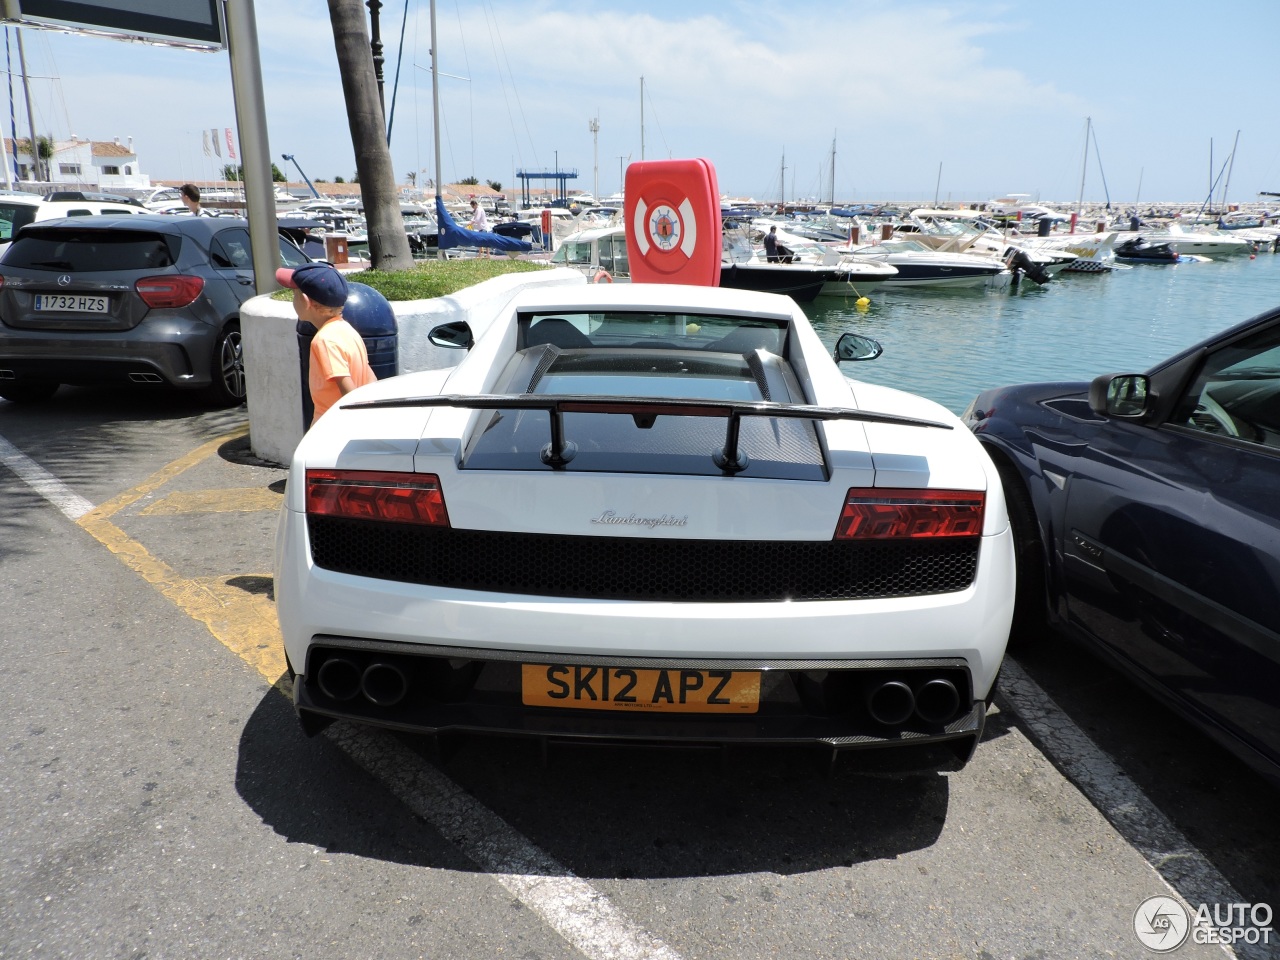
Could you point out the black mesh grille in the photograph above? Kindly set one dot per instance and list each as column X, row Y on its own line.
column 616, row 568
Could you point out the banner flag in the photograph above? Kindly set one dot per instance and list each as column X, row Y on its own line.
column 231, row 146
column 216, row 149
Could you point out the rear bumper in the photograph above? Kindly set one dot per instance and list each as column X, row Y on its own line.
column 176, row 351
column 452, row 690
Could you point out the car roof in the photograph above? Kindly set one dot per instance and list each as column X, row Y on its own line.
column 93, row 196
column 199, row 227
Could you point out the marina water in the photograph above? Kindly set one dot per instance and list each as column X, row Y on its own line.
column 950, row 344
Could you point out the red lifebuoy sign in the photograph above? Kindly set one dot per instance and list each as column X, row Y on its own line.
column 672, row 214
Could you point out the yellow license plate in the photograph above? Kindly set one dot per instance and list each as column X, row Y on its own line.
column 622, row 688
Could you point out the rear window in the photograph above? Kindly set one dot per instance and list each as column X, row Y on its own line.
column 92, row 250
column 670, row 331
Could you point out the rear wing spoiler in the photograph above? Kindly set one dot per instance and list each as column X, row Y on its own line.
column 645, row 410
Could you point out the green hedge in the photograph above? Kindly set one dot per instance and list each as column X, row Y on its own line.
column 433, row 278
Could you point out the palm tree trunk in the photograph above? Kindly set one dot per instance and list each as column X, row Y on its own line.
column 388, row 243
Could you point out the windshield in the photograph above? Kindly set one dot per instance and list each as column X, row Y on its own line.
column 573, row 252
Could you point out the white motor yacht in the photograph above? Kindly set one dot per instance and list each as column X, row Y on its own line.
column 920, row 266
column 804, row 270
column 1201, row 242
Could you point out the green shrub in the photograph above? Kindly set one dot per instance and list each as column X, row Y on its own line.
column 432, row 278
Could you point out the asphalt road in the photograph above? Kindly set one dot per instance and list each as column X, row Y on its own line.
column 160, row 801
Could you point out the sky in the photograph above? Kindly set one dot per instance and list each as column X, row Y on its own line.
column 958, row 101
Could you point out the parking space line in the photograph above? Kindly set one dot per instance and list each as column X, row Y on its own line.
column 72, row 505
column 579, row 913
column 231, row 500
column 162, row 476
column 1182, row 867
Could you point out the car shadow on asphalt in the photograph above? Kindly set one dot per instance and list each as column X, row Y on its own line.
column 308, row 791
column 604, row 811
column 85, row 434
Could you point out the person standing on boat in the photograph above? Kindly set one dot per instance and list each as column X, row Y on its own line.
column 479, row 221
column 190, row 195
column 773, row 251
column 771, row 245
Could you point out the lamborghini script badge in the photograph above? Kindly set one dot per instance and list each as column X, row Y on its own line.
column 631, row 520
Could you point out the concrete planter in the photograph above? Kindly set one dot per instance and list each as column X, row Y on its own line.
column 274, row 381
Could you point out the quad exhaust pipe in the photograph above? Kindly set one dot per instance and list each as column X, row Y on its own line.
column 894, row 702
column 382, row 684
column 891, row 703
column 339, row 679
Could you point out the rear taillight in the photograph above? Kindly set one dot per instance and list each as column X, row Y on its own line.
column 884, row 514
column 170, row 291
column 369, row 495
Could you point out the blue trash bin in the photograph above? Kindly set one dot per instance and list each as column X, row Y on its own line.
column 369, row 312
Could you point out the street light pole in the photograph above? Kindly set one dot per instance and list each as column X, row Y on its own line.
column 375, row 45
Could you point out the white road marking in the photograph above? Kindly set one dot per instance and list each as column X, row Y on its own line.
column 72, row 505
column 574, row 909
column 1182, row 867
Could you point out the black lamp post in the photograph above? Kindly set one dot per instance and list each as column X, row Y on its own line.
column 375, row 44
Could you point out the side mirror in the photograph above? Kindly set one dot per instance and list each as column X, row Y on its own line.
column 456, row 335
column 1125, row 396
column 852, row 346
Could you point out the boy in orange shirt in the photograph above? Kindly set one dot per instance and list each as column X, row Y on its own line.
column 339, row 360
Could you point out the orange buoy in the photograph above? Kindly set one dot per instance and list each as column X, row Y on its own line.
column 602, row 276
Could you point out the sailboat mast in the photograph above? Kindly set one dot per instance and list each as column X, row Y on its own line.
column 782, row 181
column 1084, row 168
column 1230, row 166
column 833, row 169
column 31, row 118
column 435, row 106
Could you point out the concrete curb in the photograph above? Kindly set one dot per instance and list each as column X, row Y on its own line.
column 274, row 381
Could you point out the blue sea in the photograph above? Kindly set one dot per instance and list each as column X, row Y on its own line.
column 949, row 345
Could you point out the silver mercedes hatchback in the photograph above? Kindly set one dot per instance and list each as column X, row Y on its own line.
column 137, row 299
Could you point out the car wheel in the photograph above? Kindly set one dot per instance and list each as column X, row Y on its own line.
column 228, row 388
column 28, row 392
column 1030, row 619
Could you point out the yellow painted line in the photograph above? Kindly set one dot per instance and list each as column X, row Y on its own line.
column 237, row 609
column 160, row 478
column 239, row 612
column 229, row 500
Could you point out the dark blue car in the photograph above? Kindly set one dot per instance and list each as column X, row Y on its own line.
column 1146, row 511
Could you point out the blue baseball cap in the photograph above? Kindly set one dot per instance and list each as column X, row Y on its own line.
column 322, row 282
